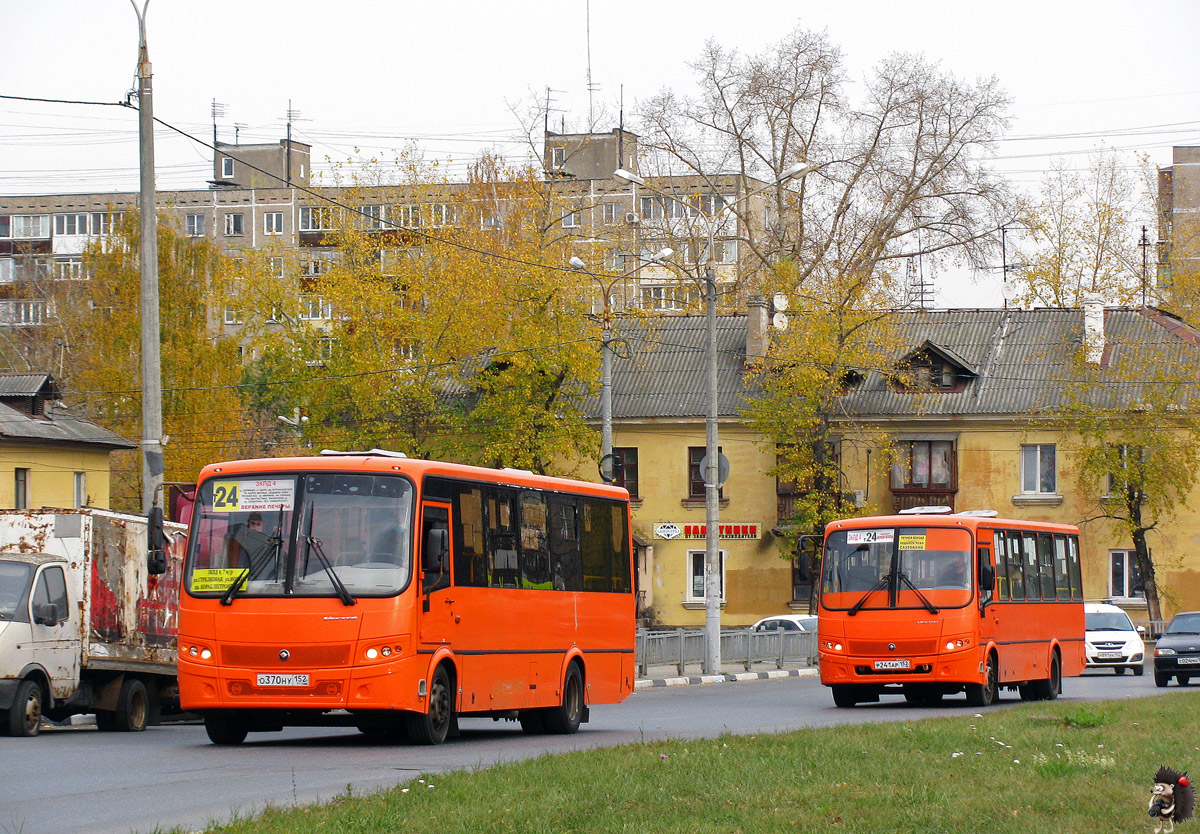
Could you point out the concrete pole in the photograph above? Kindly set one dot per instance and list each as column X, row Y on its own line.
column 152, row 432
column 712, row 503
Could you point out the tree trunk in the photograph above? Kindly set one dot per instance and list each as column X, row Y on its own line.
column 1146, row 569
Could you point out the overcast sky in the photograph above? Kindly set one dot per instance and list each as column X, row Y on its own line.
column 368, row 77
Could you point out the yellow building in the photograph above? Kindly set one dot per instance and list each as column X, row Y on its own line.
column 974, row 427
column 49, row 458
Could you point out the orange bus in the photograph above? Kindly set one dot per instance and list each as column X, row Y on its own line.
column 930, row 603
column 395, row 595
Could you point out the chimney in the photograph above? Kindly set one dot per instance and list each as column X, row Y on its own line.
column 1093, row 329
column 757, row 338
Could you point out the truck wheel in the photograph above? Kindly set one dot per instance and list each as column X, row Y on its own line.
column 133, row 707
column 223, row 729
column 25, row 714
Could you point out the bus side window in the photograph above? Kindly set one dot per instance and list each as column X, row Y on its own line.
column 999, row 542
column 1062, row 575
column 566, row 560
column 1016, row 567
column 1073, row 567
column 1033, row 577
column 501, row 540
column 470, row 556
column 1046, row 564
column 535, row 554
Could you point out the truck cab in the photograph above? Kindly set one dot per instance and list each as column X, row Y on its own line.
column 40, row 637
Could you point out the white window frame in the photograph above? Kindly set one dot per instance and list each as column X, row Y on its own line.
column 8, row 270
column 69, row 268
column 273, row 223
column 315, row 308
column 558, row 157
column 235, row 224
column 611, row 213
column 71, row 225
column 695, row 560
column 570, row 220
column 80, row 489
column 193, row 225
column 1032, row 460
column 234, row 315
column 226, row 167
column 1128, row 567
column 316, row 218
column 30, row 226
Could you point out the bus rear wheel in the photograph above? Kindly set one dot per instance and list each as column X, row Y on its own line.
column 1049, row 688
column 432, row 726
column 567, row 716
column 984, row 694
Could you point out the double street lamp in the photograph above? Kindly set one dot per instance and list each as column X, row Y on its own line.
column 606, row 352
column 712, row 477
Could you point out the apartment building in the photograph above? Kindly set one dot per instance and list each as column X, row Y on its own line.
column 1179, row 214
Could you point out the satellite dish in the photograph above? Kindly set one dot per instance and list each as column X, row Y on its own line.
column 780, row 301
column 1009, row 291
column 779, row 321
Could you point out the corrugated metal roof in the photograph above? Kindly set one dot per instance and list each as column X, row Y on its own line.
column 27, row 385
column 1022, row 358
column 59, row 429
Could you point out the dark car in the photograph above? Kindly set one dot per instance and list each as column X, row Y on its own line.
column 1177, row 653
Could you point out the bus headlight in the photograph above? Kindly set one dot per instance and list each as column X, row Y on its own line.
column 372, row 654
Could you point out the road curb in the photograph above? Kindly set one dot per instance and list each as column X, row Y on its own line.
column 687, row 680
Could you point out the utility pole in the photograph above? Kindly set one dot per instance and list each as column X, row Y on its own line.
column 1144, row 244
column 152, row 432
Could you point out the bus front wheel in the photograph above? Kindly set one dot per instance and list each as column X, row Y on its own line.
column 432, row 726
column 984, row 694
column 225, row 728
column 844, row 695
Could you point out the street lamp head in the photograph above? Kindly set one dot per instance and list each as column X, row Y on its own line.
column 662, row 254
column 796, row 170
column 628, row 176
column 577, row 263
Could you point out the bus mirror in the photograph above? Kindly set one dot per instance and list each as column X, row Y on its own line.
column 156, row 559
column 987, row 577
column 437, row 545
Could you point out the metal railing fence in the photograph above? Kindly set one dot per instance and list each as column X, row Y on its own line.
column 681, row 648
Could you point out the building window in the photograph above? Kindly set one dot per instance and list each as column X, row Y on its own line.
column 233, row 315
column 7, row 272
column 275, row 267
column 193, row 225
column 103, row 222
column 570, row 220
column 610, row 212
column 373, row 217
column 80, row 490
column 20, row 489
column 441, row 214
column 1125, row 580
column 70, row 224
column 226, row 167
column 316, row 218
column 5, row 225
column 234, row 225
column 625, row 469
column 696, row 455
column 1038, row 468
column 22, row 313
column 558, row 157
column 30, row 225
column 316, row 263
column 924, row 464
column 273, row 223
column 1117, row 483
column 696, row 575
column 315, row 308
column 69, row 268
column 652, row 208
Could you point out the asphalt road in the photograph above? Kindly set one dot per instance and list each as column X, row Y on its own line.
column 78, row 780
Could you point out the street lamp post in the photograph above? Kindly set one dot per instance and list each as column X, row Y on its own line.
column 606, row 352
column 712, row 485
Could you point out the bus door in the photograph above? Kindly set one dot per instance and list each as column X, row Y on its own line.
column 985, row 569
column 438, row 616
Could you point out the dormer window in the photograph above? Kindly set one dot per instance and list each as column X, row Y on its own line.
column 931, row 368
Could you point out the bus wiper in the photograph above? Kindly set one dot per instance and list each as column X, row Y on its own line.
column 928, row 605
column 314, row 546
column 266, row 553
column 878, row 586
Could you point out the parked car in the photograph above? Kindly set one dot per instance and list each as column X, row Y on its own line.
column 1177, row 653
column 1112, row 640
column 787, row 622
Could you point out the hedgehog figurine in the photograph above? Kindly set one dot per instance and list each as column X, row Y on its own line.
column 1172, row 800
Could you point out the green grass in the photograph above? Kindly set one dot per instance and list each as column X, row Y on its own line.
column 1043, row 767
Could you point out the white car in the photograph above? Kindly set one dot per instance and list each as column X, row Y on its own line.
column 1112, row 640
column 786, row 622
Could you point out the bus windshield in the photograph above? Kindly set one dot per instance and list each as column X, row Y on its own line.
column 320, row 534
column 902, row 567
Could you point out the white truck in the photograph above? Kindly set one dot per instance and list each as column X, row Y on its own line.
column 87, row 621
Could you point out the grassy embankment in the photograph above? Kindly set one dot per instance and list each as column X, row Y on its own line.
column 1045, row 767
